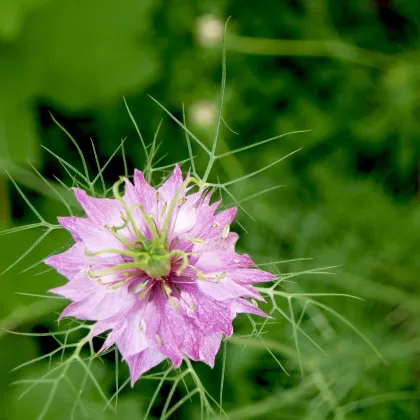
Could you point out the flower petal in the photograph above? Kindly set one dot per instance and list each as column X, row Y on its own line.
column 221, row 260
column 218, row 243
column 182, row 220
column 70, row 262
column 225, row 289
column 207, row 314
column 250, row 275
column 209, row 346
column 171, row 186
column 144, row 361
column 100, row 210
column 146, row 194
column 132, row 339
column 92, row 301
column 95, row 238
column 201, row 347
column 243, row 306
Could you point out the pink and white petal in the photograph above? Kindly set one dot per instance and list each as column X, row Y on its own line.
column 74, row 225
column 182, row 220
column 223, row 260
column 243, row 306
column 218, row 243
column 92, row 301
column 132, row 198
column 225, row 289
column 172, row 342
column 194, row 198
column 112, row 324
column 206, row 198
column 208, row 315
column 146, row 194
column 204, row 221
column 250, row 275
column 201, row 347
column 151, row 315
column 209, row 346
column 170, row 332
column 162, row 325
column 95, row 237
column 95, row 308
column 191, row 342
column 100, row 210
column 132, row 339
column 171, row 186
column 220, row 221
column 78, row 289
column 70, row 262
column 144, row 361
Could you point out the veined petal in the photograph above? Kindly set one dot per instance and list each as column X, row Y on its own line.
column 204, row 220
column 250, row 275
column 220, row 260
column 146, row 194
column 95, row 237
column 207, row 314
column 201, row 347
column 209, row 346
column 92, row 301
column 168, row 331
column 182, row 220
column 108, row 324
column 70, row 262
column 100, row 210
column 171, row 186
column 144, row 361
column 243, row 306
column 218, row 243
column 226, row 288
column 220, row 221
column 132, row 338
column 132, row 198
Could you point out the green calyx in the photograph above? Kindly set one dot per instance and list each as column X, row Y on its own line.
column 157, row 265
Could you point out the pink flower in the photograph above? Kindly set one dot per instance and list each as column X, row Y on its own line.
column 158, row 269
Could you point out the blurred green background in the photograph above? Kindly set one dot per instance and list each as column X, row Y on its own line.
column 347, row 70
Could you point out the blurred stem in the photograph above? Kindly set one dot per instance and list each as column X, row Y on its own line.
column 29, row 314
column 310, row 48
column 230, row 164
column 30, row 180
column 4, row 202
column 271, row 404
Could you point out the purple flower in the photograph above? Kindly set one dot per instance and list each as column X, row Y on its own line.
column 158, row 269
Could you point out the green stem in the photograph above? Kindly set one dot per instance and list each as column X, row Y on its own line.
column 118, row 267
column 117, row 195
column 131, row 254
column 310, row 48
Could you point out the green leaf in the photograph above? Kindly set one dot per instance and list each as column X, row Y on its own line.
column 89, row 52
column 12, row 14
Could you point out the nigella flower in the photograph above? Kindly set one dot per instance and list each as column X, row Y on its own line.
column 158, row 270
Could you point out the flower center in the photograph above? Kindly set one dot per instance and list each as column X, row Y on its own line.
column 150, row 256
column 156, row 263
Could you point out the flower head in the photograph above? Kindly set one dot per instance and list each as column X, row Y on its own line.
column 158, row 270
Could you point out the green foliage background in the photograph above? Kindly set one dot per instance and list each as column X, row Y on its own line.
column 348, row 71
